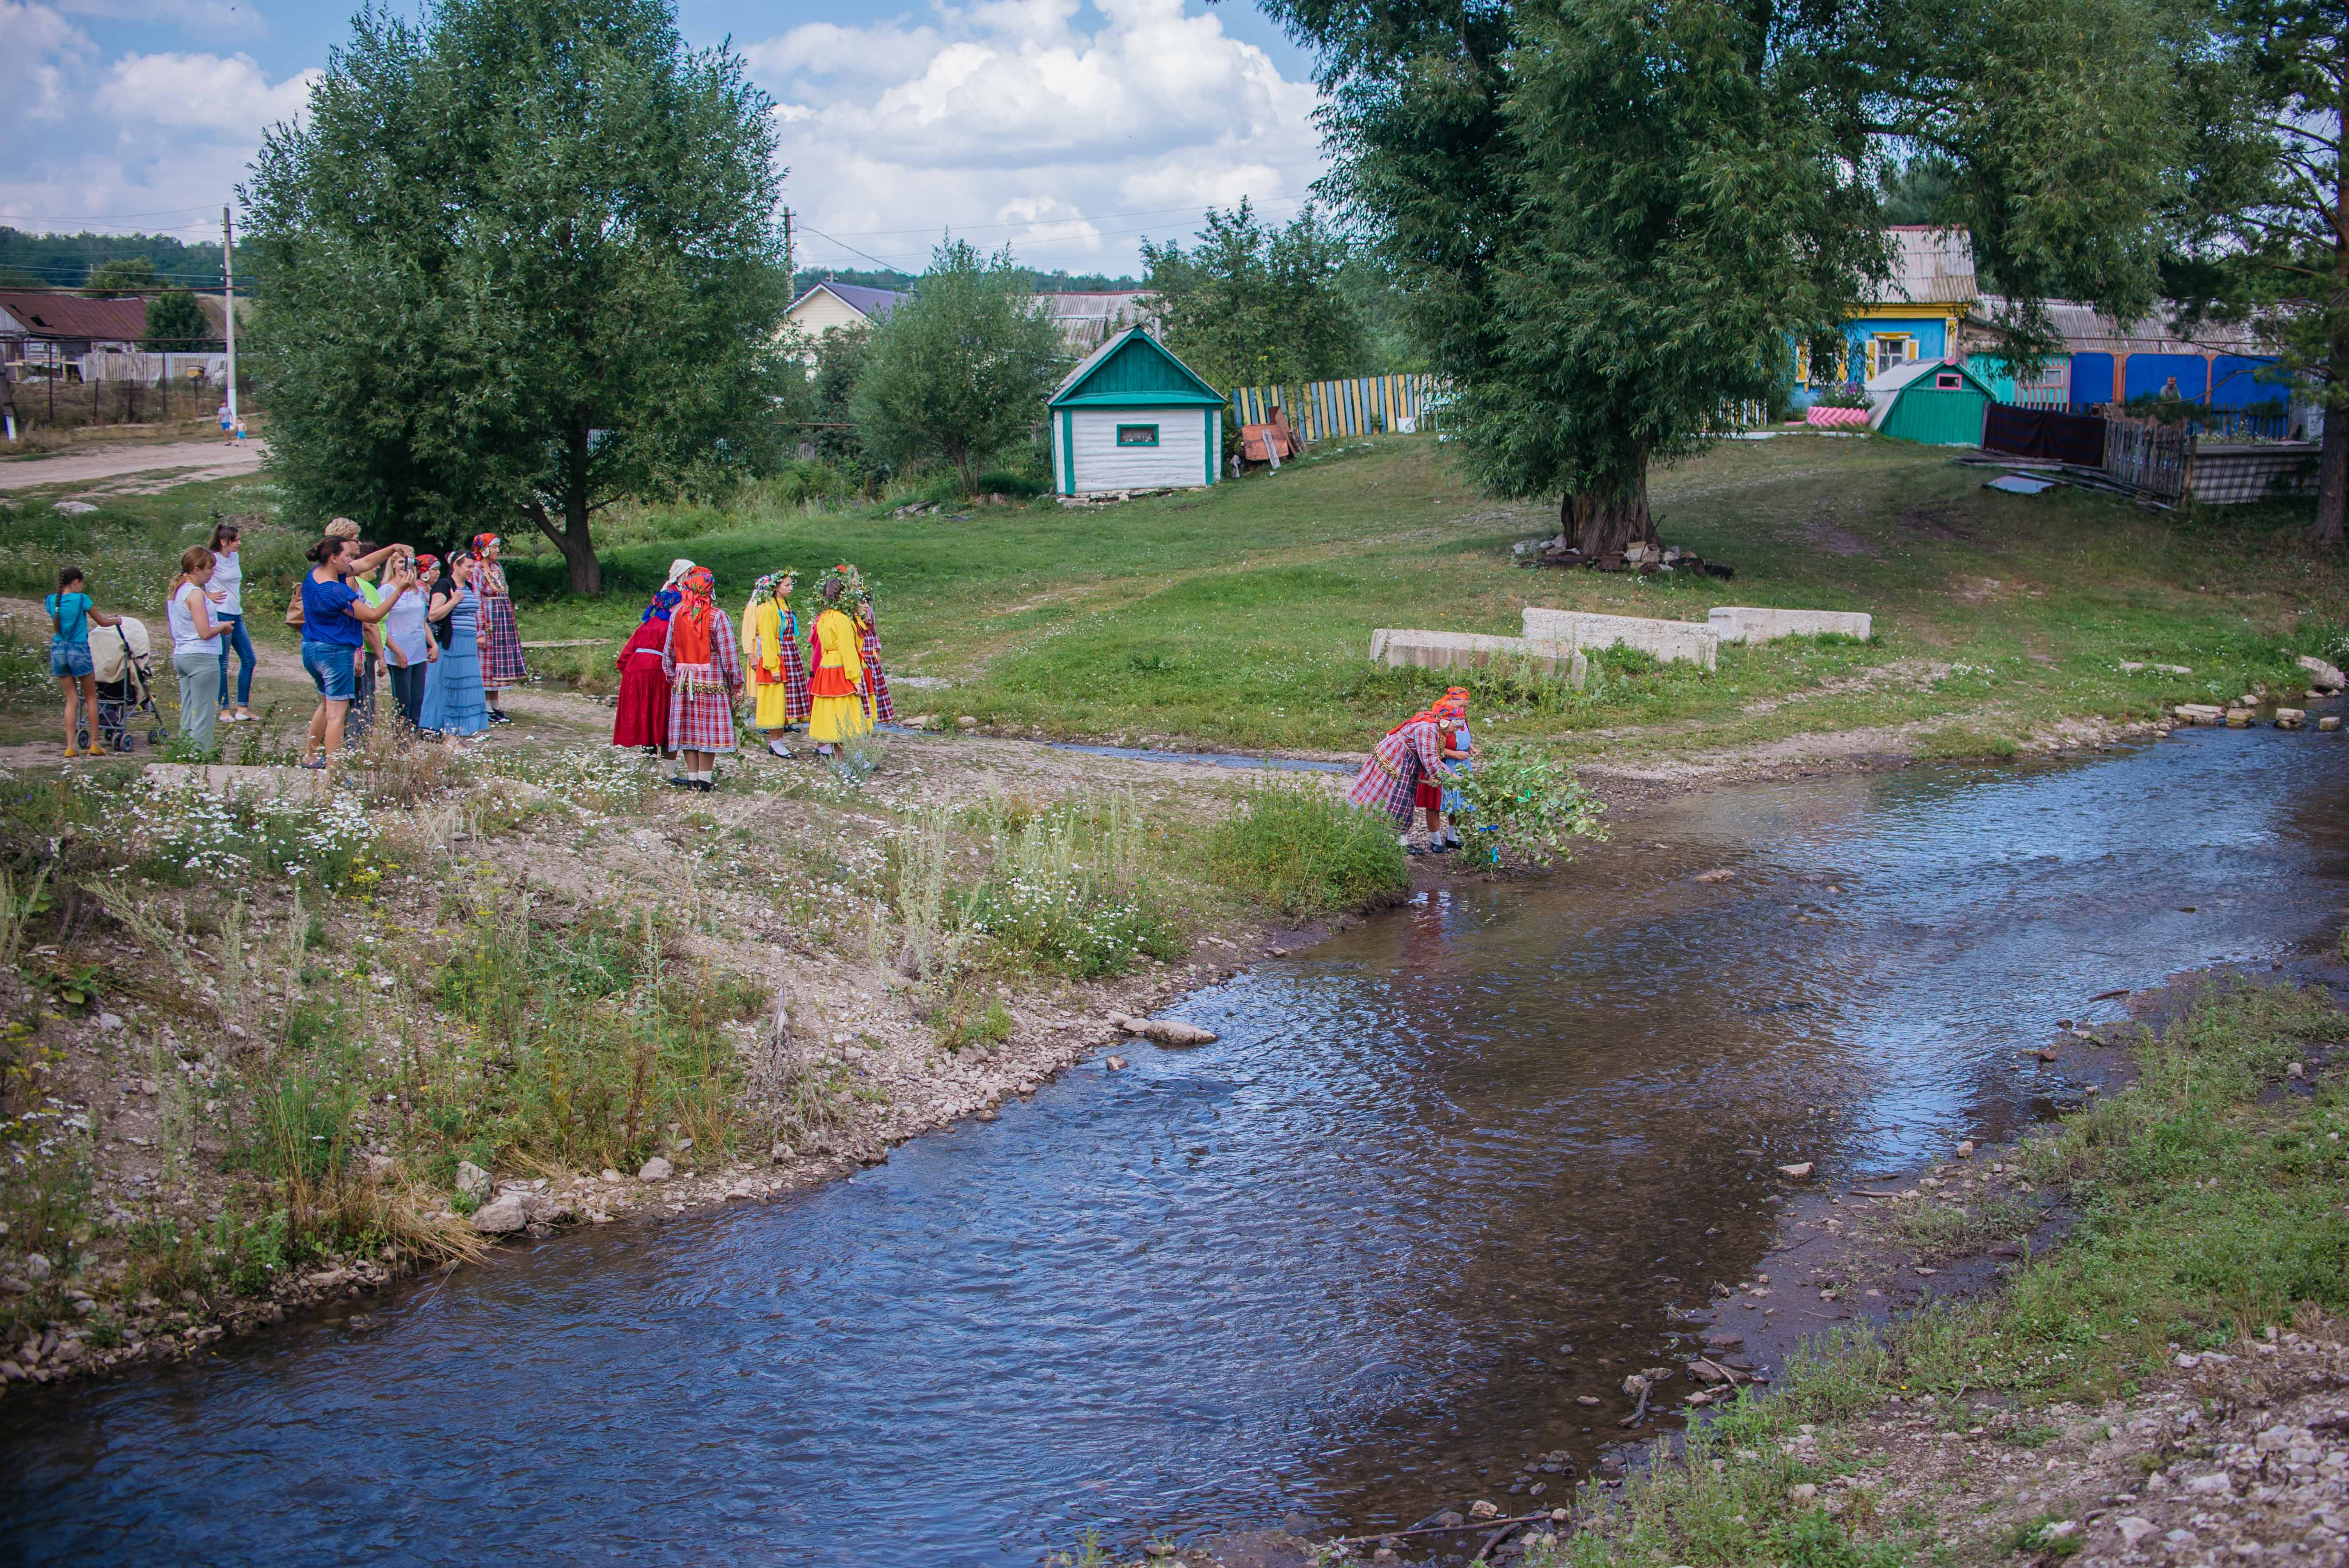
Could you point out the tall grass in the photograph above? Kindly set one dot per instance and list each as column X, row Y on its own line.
column 1303, row 851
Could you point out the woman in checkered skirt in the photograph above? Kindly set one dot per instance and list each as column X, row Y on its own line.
column 1410, row 755
column 502, row 666
column 878, row 709
column 771, row 647
column 705, row 676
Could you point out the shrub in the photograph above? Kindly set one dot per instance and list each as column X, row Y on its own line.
column 1304, row 850
column 1523, row 806
column 1003, row 481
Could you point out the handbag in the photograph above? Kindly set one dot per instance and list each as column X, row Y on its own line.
column 293, row 609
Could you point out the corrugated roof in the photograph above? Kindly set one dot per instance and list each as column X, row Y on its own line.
column 71, row 315
column 1931, row 265
column 2085, row 331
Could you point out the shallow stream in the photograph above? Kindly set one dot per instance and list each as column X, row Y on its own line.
column 1324, row 1267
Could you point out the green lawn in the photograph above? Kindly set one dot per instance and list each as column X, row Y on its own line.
column 1241, row 617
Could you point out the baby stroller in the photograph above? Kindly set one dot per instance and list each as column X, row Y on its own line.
column 126, row 683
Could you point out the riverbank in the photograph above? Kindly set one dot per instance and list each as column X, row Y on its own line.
column 2121, row 1339
column 278, row 1040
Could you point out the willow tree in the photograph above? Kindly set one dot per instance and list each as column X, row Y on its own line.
column 521, row 261
column 1615, row 219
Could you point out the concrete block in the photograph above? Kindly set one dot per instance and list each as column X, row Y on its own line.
column 1743, row 624
column 1399, row 649
column 1693, row 642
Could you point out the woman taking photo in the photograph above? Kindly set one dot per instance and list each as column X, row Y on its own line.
column 452, row 685
column 334, row 618
column 196, row 657
column 408, row 648
column 226, row 592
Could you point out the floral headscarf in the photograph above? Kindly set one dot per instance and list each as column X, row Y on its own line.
column 689, row 624
column 767, row 587
column 482, row 542
column 664, row 604
column 1453, row 704
column 426, row 565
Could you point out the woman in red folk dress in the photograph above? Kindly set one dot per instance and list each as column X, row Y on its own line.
column 705, row 677
column 642, row 717
column 1410, row 754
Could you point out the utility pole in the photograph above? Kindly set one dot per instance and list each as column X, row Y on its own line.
column 791, row 273
column 228, row 302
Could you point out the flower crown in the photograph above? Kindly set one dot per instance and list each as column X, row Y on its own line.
column 851, row 584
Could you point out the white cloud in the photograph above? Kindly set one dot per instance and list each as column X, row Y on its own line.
column 147, row 142
column 208, row 18
column 208, row 91
column 1010, row 121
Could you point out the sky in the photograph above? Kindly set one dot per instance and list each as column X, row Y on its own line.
column 1068, row 128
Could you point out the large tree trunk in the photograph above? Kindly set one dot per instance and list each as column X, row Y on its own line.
column 2332, row 467
column 1603, row 524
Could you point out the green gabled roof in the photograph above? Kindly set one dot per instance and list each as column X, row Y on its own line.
column 1135, row 370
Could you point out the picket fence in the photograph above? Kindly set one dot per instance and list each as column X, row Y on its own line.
column 1319, row 411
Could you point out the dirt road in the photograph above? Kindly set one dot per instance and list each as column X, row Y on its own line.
column 202, row 460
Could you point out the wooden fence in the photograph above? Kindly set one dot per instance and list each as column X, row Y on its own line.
column 2149, row 456
column 1319, row 411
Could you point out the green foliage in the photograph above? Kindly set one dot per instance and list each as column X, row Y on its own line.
column 959, row 1030
column 1523, row 807
column 839, row 358
column 67, row 261
column 520, row 260
column 1303, row 851
column 177, row 324
column 1069, row 892
column 1253, row 304
column 120, row 275
column 1609, row 218
column 588, row 1038
column 959, row 374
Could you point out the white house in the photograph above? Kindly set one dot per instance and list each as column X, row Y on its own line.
column 829, row 305
column 1134, row 417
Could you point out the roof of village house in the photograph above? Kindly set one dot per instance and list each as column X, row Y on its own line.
column 1144, row 374
column 44, row 314
column 1932, row 264
column 872, row 304
column 2085, row 331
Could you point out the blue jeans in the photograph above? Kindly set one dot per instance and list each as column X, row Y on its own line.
column 330, row 667
column 242, row 643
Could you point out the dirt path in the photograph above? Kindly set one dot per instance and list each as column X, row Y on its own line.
column 185, row 460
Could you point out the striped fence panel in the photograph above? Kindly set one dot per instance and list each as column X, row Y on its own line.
column 1322, row 411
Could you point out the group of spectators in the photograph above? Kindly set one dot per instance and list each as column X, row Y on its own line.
column 444, row 642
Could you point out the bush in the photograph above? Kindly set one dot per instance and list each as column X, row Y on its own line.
column 1068, row 890
column 1003, row 481
column 1523, row 806
column 1304, row 852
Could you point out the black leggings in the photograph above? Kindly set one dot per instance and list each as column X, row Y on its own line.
column 408, row 689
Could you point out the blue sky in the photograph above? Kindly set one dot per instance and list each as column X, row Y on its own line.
column 1068, row 128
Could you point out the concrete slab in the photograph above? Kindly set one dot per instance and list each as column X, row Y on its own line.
column 1399, row 649
column 1743, row 624
column 1692, row 642
column 254, row 783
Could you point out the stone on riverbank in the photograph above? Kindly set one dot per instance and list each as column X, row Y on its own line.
column 2322, row 677
column 501, row 1218
column 2198, row 713
column 471, row 1180
column 656, row 1169
column 1164, row 1031
column 2289, row 717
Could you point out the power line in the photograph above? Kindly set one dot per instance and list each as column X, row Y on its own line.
column 105, row 217
column 1079, row 218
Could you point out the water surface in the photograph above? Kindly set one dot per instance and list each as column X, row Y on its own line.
column 1326, row 1265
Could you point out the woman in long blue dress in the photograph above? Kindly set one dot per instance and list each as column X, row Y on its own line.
column 453, row 700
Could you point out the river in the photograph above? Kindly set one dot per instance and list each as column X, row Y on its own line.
column 1327, row 1266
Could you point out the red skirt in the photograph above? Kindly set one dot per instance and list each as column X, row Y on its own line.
column 1427, row 797
column 642, row 718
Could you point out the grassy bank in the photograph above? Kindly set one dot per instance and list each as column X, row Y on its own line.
column 2211, row 1212
column 1240, row 617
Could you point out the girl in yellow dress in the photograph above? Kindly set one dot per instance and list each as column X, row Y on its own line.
column 771, row 652
column 838, row 681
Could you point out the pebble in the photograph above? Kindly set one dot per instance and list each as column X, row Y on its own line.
column 1115, row 1064
column 471, row 1179
column 37, row 1267
column 656, row 1169
column 2134, row 1529
column 1480, row 1509
column 1966, row 1149
column 1798, row 1171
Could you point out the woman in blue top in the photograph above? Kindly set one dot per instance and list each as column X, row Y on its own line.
column 70, row 614
column 335, row 616
column 454, row 703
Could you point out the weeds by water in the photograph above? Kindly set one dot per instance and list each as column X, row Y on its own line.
column 1304, row 851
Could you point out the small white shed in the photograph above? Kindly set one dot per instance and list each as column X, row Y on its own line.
column 1134, row 417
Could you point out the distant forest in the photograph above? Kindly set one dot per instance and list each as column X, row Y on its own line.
column 807, row 278
column 64, row 261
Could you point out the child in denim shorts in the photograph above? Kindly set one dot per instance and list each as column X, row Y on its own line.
column 70, row 614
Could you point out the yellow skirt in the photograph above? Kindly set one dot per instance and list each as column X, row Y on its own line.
column 774, row 706
column 838, row 719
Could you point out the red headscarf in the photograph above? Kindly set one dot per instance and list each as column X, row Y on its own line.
column 689, row 624
column 1453, row 704
column 482, row 542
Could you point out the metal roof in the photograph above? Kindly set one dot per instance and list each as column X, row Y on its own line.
column 873, row 305
column 2085, row 331
column 1931, row 265
column 1135, row 395
column 49, row 315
